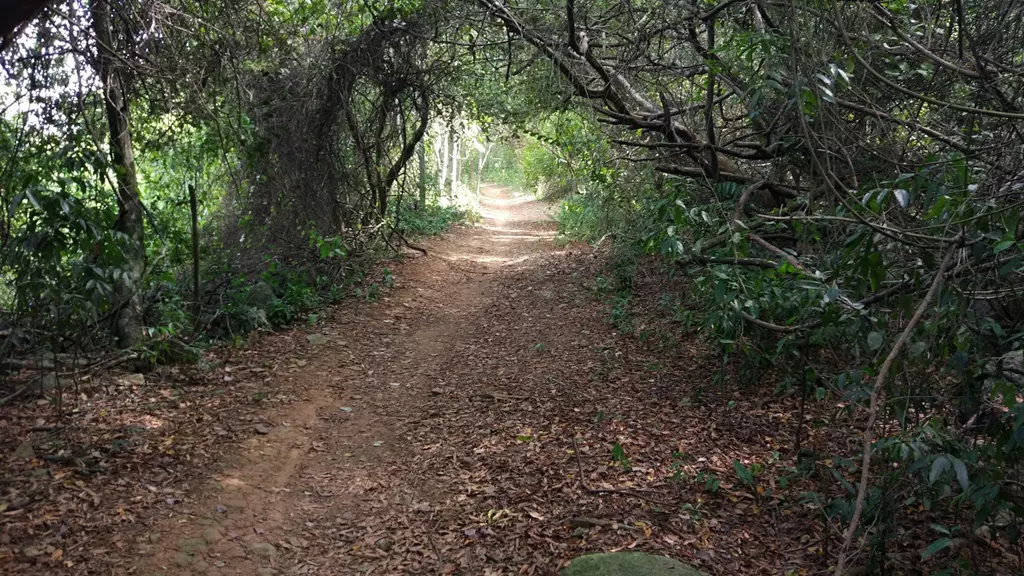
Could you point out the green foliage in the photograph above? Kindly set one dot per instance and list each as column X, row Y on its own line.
column 433, row 219
column 709, row 480
column 620, row 458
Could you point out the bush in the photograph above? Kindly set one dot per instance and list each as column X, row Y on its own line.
column 433, row 219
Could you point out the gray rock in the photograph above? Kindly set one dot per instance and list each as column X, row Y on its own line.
column 627, row 564
column 385, row 544
column 212, row 535
column 134, row 379
column 191, row 545
column 1009, row 367
column 24, row 452
column 261, row 296
column 263, row 549
column 183, row 559
column 49, row 381
column 317, row 339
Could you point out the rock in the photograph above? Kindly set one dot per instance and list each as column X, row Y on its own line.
column 263, row 549
column 49, row 381
column 266, row 572
column 134, row 379
column 627, row 564
column 385, row 544
column 262, row 430
column 1009, row 367
column 346, row 409
column 261, row 296
column 316, row 339
column 183, row 559
column 191, row 545
column 31, row 552
column 24, row 452
column 212, row 535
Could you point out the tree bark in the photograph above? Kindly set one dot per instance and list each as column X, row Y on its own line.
column 443, row 178
column 128, row 284
column 480, row 166
column 406, row 153
column 423, row 174
column 197, row 287
column 455, row 164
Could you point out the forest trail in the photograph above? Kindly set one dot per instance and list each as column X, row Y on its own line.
column 363, row 472
column 440, row 428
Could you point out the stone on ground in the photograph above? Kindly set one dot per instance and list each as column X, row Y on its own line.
column 627, row 564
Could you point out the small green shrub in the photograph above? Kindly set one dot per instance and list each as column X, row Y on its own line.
column 432, row 219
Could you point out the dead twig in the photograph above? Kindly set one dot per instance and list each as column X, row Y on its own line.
column 437, row 551
column 10, row 397
column 582, row 522
column 588, row 489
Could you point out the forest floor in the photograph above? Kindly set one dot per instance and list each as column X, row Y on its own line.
column 439, row 430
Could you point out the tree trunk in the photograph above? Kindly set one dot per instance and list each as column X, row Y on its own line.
column 423, row 175
column 127, row 287
column 480, row 166
column 455, row 164
column 197, row 287
column 443, row 178
column 406, row 153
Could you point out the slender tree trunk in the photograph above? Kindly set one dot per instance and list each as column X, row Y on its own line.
column 407, row 151
column 455, row 164
column 480, row 166
column 128, row 286
column 444, row 160
column 423, row 174
column 197, row 286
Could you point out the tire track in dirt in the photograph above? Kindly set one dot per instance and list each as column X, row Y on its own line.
column 317, row 493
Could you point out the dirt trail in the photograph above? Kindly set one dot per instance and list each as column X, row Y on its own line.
column 316, row 489
column 486, row 416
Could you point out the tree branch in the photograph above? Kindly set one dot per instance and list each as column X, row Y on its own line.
column 876, row 400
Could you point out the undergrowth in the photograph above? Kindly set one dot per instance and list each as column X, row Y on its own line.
column 281, row 291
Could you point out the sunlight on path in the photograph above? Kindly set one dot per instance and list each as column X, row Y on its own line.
column 510, row 219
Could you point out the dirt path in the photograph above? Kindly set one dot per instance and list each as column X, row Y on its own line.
column 440, row 430
column 329, row 484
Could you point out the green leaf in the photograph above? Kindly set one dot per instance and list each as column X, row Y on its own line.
column 935, row 547
column 939, row 467
column 875, row 340
column 743, row 473
column 961, row 473
column 619, row 456
column 1003, row 245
